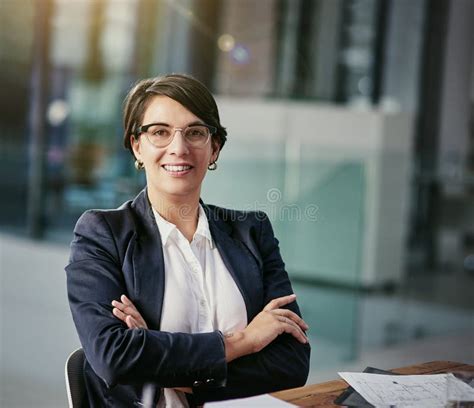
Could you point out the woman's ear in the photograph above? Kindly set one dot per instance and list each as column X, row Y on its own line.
column 216, row 148
column 135, row 143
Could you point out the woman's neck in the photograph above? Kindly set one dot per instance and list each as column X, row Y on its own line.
column 180, row 211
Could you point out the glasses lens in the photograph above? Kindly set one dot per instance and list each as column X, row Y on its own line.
column 159, row 135
column 197, row 136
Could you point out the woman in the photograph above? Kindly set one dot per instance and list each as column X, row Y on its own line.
column 168, row 290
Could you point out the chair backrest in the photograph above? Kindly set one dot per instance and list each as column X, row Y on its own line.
column 73, row 372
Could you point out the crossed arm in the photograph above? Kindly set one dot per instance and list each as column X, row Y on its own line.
column 271, row 322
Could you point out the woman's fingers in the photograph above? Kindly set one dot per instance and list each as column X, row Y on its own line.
column 289, row 326
column 279, row 302
column 274, row 307
column 268, row 325
column 119, row 314
column 119, row 305
column 291, row 315
column 129, row 320
column 132, row 323
column 126, row 311
column 126, row 301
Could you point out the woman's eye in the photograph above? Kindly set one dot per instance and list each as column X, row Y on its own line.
column 160, row 132
column 196, row 132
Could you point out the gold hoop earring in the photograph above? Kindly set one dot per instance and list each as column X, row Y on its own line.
column 212, row 166
column 139, row 165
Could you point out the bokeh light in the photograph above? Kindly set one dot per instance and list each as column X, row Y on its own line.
column 226, row 42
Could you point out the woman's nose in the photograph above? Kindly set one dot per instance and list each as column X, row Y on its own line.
column 178, row 145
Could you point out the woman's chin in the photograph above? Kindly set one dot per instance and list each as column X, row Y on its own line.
column 176, row 189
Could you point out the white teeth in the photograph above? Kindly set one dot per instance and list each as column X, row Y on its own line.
column 176, row 168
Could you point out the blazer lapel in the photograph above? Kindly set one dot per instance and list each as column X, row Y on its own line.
column 238, row 260
column 148, row 263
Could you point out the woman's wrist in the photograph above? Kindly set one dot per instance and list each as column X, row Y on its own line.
column 236, row 345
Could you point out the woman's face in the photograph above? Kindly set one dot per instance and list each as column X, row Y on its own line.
column 158, row 161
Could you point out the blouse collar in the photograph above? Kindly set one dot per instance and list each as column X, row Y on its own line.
column 167, row 229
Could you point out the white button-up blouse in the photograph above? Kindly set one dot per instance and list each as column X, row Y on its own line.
column 200, row 294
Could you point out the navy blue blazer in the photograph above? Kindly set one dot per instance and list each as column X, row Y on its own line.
column 119, row 251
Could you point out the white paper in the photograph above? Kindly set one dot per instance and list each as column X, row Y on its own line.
column 259, row 401
column 400, row 390
column 459, row 390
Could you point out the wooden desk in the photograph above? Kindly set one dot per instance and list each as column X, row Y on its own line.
column 322, row 395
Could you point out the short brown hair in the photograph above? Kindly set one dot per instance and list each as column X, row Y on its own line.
column 185, row 89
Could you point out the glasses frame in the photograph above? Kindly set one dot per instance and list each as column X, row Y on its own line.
column 144, row 129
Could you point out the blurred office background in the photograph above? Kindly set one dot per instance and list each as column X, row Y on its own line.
column 351, row 123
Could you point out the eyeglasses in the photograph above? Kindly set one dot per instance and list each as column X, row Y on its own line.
column 161, row 135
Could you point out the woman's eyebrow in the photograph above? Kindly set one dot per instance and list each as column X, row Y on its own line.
column 196, row 122
column 159, row 124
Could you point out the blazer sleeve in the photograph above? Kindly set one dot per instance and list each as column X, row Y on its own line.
column 284, row 363
column 118, row 354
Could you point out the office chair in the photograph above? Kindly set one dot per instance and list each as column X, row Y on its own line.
column 73, row 372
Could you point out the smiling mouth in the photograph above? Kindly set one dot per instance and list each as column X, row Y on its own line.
column 176, row 169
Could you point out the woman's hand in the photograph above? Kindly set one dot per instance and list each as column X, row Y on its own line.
column 273, row 321
column 126, row 311
column 266, row 327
